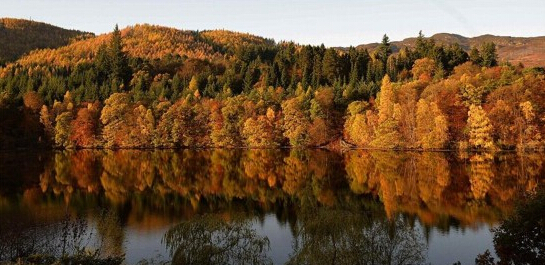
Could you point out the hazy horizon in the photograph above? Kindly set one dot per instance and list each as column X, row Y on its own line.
column 343, row 23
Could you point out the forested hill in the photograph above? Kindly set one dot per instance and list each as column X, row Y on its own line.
column 45, row 42
column 529, row 51
column 157, row 87
column 19, row 36
column 154, row 42
column 150, row 42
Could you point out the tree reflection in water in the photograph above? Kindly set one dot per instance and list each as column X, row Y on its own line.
column 314, row 191
column 323, row 236
column 71, row 240
column 431, row 185
column 344, row 237
column 208, row 239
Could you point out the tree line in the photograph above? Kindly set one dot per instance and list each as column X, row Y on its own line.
column 261, row 94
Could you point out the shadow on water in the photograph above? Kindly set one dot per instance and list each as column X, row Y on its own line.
column 358, row 207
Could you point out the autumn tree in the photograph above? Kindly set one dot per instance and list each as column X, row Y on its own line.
column 529, row 135
column 63, row 130
column 229, row 122
column 191, row 124
column 47, row 120
column 431, row 126
column 141, row 131
column 387, row 132
column 472, row 95
column 407, row 97
column 322, row 116
column 193, row 84
column 32, row 101
column 423, row 69
column 296, row 123
column 503, row 119
column 480, row 129
column 262, row 131
column 386, row 100
column 29, row 120
column 359, row 125
column 115, row 118
column 185, row 124
column 163, row 135
column 57, row 122
column 85, row 126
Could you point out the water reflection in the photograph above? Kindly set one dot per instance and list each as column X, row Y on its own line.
column 435, row 186
column 71, row 239
column 348, row 237
column 211, row 240
column 330, row 201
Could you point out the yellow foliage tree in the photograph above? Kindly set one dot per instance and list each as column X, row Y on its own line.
column 360, row 124
column 47, row 119
column 472, row 95
column 503, row 119
column 296, row 122
column 387, row 132
column 529, row 135
column 228, row 122
column 261, row 131
column 115, row 118
column 431, row 125
column 63, row 130
column 480, row 129
column 142, row 131
column 386, row 100
column 423, row 69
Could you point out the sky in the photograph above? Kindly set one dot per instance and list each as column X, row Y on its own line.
column 333, row 23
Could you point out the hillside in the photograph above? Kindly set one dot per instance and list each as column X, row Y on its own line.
column 528, row 51
column 154, row 42
column 151, row 86
column 19, row 36
column 149, row 42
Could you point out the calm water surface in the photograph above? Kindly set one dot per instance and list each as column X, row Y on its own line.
column 261, row 206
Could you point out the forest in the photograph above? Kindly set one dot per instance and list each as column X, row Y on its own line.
column 155, row 87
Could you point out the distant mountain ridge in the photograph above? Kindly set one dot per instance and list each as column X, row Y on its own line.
column 20, row 36
column 530, row 51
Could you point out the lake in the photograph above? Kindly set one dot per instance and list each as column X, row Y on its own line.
column 265, row 206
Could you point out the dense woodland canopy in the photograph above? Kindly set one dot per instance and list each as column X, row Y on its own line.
column 149, row 86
